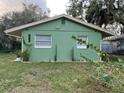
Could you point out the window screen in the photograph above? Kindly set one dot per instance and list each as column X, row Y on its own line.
column 43, row 41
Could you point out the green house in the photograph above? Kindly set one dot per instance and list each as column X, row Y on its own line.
column 51, row 39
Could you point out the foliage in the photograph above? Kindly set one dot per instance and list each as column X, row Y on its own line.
column 18, row 53
column 30, row 13
column 100, row 53
column 105, row 72
column 86, row 59
column 99, row 12
column 3, row 39
column 74, row 8
column 25, row 55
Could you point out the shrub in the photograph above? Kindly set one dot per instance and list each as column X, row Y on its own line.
column 109, row 75
column 18, row 53
column 25, row 55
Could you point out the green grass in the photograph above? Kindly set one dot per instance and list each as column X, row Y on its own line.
column 57, row 77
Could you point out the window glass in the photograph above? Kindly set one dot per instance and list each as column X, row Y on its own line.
column 29, row 38
column 43, row 38
column 43, row 41
column 83, row 46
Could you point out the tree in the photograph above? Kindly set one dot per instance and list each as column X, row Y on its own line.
column 74, row 8
column 99, row 12
column 30, row 13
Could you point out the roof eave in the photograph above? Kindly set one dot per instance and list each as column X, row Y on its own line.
column 104, row 32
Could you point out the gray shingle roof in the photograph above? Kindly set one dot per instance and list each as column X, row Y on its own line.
column 112, row 38
column 103, row 31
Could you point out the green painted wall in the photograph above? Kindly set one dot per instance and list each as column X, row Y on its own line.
column 62, row 43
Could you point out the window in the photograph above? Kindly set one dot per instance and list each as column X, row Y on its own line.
column 63, row 21
column 29, row 38
column 83, row 46
column 43, row 41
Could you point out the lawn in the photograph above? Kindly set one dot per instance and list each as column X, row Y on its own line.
column 59, row 77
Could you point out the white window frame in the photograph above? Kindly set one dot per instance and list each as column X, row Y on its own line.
column 82, row 46
column 36, row 46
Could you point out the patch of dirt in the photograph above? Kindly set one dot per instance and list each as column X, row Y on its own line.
column 101, row 88
column 31, row 85
column 95, row 87
column 30, row 90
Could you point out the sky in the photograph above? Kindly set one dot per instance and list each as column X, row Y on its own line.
column 56, row 6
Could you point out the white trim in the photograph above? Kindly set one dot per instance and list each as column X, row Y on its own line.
column 117, row 37
column 100, row 48
column 36, row 46
column 101, row 44
column 13, row 36
column 43, row 46
column 81, row 46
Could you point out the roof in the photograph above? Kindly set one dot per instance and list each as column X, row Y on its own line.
column 113, row 38
column 16, row 29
